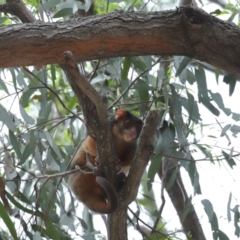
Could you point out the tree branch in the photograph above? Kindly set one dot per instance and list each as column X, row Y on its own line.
column 19, row 9
column 179, row 199
column 117, row 220
column 95, row 115
column 186, row 31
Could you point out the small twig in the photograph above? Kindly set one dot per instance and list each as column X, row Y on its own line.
column 144, row 223
column 95, row 70
column 131, row 84
column 52, row 91
column 162, row 205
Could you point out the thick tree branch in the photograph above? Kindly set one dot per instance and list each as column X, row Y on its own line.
column 184, row 31
column 142, row 156
column 95, row 114
column 19, row 9
column 117, row 220
column 179, row 199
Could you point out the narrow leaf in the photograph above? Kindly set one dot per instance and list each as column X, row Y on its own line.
column 2, row 84
column 191, row 77
column 208, row 208
column 6, row 119
column 29, row 148
column 172, row 179
column 230, row 79
column 217, row 98
column 222, row 235
column 20, row 206
column 228, row 207
column 15, row 144
column 7, row 220
column 210, row 107
column 25, row 116
column 182, row 65
column 202, row 84
column 229, row 160
column 63, row 13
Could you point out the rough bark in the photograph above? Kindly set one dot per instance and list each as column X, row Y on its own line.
column 95, row 115
column 185, row 31
column 95, row 112
column 179, row 198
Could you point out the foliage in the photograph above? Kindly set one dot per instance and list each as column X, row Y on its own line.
column 41, row 127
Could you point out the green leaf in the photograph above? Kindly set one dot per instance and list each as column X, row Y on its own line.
column 15, row 144
column 29, row 148
column 190, row 77
column 6, row 119
column 225, row 129
column 229, row 159
column 214, row 222
column 51, row 230
column 202, row 84
column 83, row 223
column 2, row 84
column 126, row 66
column 178, row 120
column 3, row 20
column 228, row 207
column 25, row 116
column 72, row 102
column 101, row 77
column 7, row 220
column 235, row 129
column 67, row 221
column 191, row 107
column 153, row 169
column 185, row 61
column 21, row 81
column 168, row 145
column 142, row 85
column 222, row 235
column 210, row 107
column 63, row 13
column 203, row 91
column 194, row 176
column 172, row 179
column 217, row 98
column 158, row 147
column 50, row 4
column 208, row 208
column 230, row 79
column 52, row 144
column 12, row 70
column 20, row 206
column 26, row 95
column 37, row 236
column 236, row 220
column 139, row 62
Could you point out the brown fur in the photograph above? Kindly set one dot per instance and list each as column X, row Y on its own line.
column 97, row 193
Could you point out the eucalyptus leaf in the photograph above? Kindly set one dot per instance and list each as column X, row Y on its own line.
column 229, row 207
column 7, row 220
column 184, row 62
column 6, row 119
column 63, row 13
column 2, row 84
column 208, row 208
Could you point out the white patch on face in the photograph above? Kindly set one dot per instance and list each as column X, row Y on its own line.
column 130, row 134
column 125, row 169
